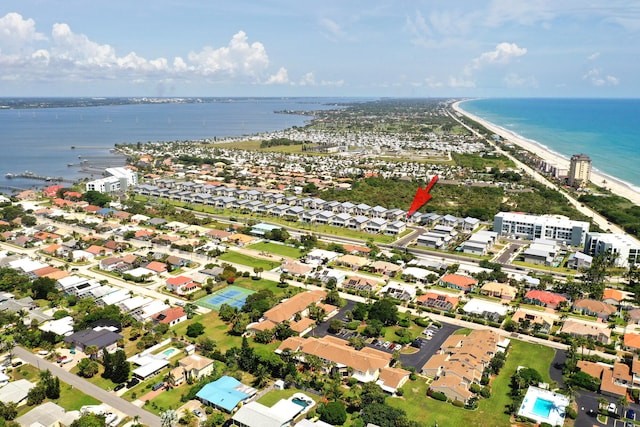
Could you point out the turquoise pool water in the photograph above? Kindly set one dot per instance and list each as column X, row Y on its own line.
column 170, row 352
column 300, row 402
column 542, row 407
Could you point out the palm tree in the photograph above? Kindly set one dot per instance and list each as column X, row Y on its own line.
column 168, row 418
column 136, row 420
column 170, row 379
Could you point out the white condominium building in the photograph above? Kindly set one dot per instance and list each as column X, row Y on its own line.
column 119, row 178
column 579, row 170
column 627, row 248
column 551, row 227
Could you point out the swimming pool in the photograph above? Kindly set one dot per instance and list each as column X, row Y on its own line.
column 542, row 407
column 300, row 402
column 171, row 351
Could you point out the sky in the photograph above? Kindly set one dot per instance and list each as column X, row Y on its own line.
column 354, row 48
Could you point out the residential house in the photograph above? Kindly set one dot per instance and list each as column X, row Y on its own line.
column 458, row 281
column 386, row 268
column 194, row 367
column 614, row 380
column 338, row 356
column 499, row 290
column 486, row 309
column 460, row 362
column 181, row 285
column 596, row 331
column 399, row 291
column 579, row 260
column 104, row 339
column 440, row 301
column 544, row 298
column 528, row 319
column 225, row 394
column 612, row 296
column 296, row 306
column 352, row 261
column 295, row 268
column 592, row 307
column 171, row 316
column 360, row 284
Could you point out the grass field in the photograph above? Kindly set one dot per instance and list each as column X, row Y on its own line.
column 71, row 399
column 277, row 249
column 249, row 261
column 490, row 412
column 274, row 396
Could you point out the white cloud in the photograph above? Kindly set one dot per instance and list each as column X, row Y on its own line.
column 333, row 30
column 502, row 54
column 596, row 78
column 521, row 12
column 439, row 28
column 71, row 56
column 16, row 33
column 238, row 58
column 307, row 80
column 279, row 78
column 593, row 56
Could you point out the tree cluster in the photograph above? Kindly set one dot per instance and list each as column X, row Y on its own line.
column 116, row 367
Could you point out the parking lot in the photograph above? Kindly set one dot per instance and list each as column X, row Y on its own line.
column 431, row 339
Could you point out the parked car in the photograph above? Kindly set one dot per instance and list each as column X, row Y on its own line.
column 612, row 408
column 386, row 344
column 157, row 386
column 66, row 360
column 133, row 382
column 61, row 359
column 197, row 413
column 631, row 414
column 119, row 387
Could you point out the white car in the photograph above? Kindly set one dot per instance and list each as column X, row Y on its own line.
column 612, row 407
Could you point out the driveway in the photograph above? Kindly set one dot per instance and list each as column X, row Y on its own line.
column 429, row 347
column 85, row 386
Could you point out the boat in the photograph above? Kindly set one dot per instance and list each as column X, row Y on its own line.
column 9, row 175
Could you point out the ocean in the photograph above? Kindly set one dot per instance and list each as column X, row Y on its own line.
column 604, row 129
column 40, row 140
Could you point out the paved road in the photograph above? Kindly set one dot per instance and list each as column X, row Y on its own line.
column 85, row 386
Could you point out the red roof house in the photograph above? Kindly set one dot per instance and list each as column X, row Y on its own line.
column 544, row 298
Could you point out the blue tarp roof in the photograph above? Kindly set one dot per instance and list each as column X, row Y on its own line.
column 223, row 393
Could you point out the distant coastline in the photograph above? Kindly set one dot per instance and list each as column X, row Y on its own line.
column 616, row 185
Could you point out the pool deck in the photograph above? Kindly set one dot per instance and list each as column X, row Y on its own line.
column 557, row 413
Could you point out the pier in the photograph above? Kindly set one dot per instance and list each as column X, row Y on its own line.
column 31, row 175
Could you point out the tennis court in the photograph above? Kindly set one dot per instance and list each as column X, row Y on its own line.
column 234, row 296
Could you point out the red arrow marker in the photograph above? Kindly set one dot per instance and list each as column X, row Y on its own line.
column 422, row 196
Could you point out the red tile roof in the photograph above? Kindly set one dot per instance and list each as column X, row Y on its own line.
column 459, row 280
column 545, row 297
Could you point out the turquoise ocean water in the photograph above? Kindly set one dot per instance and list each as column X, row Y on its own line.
column 605, row 129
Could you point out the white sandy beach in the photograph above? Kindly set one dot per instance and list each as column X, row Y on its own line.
column 616, row 186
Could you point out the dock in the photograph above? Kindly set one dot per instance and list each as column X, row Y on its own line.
column 31, row 175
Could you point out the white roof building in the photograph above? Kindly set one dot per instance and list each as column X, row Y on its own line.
column 62, row 326
column 485, row 308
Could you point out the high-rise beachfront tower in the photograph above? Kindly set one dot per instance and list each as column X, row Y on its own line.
column 579, row 171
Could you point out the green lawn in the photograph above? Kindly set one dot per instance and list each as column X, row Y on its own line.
column 490, row 412
column 277, row 249
column 214, row 328
column 274, row 396
column 247, row 260
column 72, row 399
column 97, row 379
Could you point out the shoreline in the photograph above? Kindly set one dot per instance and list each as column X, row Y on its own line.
column 615, row 185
